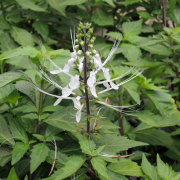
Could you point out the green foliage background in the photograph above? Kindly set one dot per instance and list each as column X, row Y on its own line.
column 29, row 121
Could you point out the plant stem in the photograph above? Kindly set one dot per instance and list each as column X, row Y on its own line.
column 164, row 12
column 85, row 84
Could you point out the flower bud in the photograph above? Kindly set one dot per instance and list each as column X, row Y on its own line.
column 82, row 43
column 79, row 52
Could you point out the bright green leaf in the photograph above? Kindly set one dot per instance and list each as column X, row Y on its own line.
column 12, row 175
column 39, row 154
column 22, row 37
column 18, row 151
column 28, row 4
column 148, row 169
column 100, row 166
column 126, row 167
column 102, row 18
column 72, row 164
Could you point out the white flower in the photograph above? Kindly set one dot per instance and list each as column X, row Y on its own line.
column 74, row 82
column 79, row 107
column 97, row 61
column 91, row 83
column 80, row 67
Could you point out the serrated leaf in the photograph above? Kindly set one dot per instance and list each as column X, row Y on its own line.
column 12, row 175
column 132, row 89
column 39, row 154
column 131, row 52
column 164, row 170
column 5, row 135
column 148, row 169
column 41, row 29
column 72, row 164
column 102, row 18
column 115, row 144
column 18, row 151
column 100, row 166
column 126, row 167
column 22, row 37
column 18, row 131
column 132, row 28
column 28, row 4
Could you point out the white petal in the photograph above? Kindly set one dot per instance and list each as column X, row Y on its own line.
column 114, row 86
column 66, row 92
column 97, row 61
column 80, row 67
column 58, row 101
column 74, row 55
column 106, row 85
column 56, row 71
column 66, row 68
column 78, row 116
column 106, row 74
column 93, row 91
column 74, row 82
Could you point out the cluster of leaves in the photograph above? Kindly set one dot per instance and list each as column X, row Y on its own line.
column 29, row 123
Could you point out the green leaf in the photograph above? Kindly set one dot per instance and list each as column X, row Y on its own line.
column 39, row 154
column 5, row 135
column 157, row 137
column 158, row 49
column 41, row 29
column 176, row 15
column 128, row 2
column 18, row 131
column 5, row 156
column 116, row 176
column 60, row 5
column 102, row 18
column 114, row 143
column 100, row 166
column 110, row 2
column 12, row 175
column 115, row 35
column 164, row 170
column 132, row 89
column 22, row 37
column 72, row 164
column 18, row 151
column 131, row 52
column 131, row 28
column 5, row 91
column 148, row 169
column 155, row 120
column 21, row 51
column 28, row 4
column 9, row 77
column 126, row 167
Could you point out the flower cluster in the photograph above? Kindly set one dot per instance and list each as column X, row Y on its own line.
column 83, row 49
